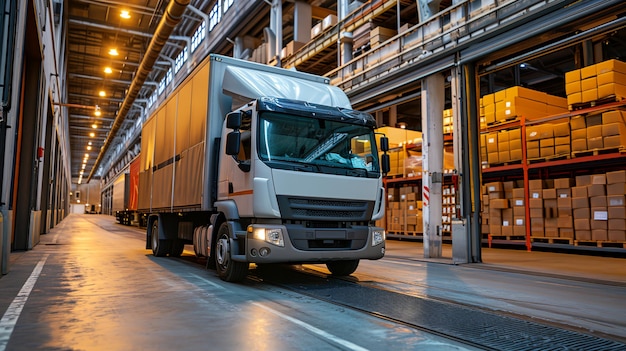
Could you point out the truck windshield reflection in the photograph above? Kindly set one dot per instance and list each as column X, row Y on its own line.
column 317, row 145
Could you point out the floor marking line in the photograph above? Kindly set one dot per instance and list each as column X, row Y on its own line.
column 10, row 317
column 331, row 337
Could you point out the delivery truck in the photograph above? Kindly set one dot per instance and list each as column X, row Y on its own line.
column 125, row 193
column 252, row 163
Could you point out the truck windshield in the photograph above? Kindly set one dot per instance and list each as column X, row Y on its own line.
column 317, row 145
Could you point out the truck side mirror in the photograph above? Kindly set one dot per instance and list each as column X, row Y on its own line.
column 233, row 140
column 385, row 163
column 233, row 120
column 384, row 144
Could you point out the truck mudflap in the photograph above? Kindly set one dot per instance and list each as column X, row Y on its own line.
column 272, row 244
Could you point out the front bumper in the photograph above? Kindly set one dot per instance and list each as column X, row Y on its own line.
column 333, row 245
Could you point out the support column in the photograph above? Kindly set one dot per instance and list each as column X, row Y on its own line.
column 433, row 99
column 345, row 38
column 275, row 46
column 302, row 21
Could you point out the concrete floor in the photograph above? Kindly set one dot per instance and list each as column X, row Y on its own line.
column 91, row 285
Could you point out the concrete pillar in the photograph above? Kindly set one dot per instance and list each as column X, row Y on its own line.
column 276, row 27
column 302, row 21
column 433, row 96
column 345, row 38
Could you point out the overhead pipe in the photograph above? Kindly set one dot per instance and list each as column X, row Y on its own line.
column 173, row 14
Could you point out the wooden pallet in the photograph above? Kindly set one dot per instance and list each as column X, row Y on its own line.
column 596, row 152
column 549, row 158
column 551, row 240
column 509, row 163
column 604, row 100
column 502, row 121
column 600, row 243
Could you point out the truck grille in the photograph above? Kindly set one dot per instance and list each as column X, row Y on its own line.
column 295, row 208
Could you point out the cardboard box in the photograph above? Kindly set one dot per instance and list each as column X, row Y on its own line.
column 535, row 203
column 613, row 129
column 579, row 191
column 616, row 235
column 578, row 134
column 596, row 190
column 590, row 95
column 614, row 141
column 616, row 201
column 594, row 131
column 563, row 183
column 566, row 233
column 578, row 122
column 598, row 201
column 615, row 116
column 580, row 202
column 572, row 76
column 582, row 234
column 609, row 90
column 549, row 193
column 574, row 98
column 579, row 145
column 610, row 66
column 583, row 180
column 616, row 212
column 565, row 222
column 616, row 189
column 564, row 203
column 598, row 179
column 587, row 72
column 494, row 187
column 599, row 235
column 534, row 184
column 616, row 177
column 581, row 213
column 536, row 212
column 499, row 203
column 582, row 224
column 616, row 224
column 561, row 193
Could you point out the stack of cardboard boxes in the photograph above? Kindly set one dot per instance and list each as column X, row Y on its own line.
column 405, row 211
column 598, row 131
column 379, row 35
column 585, row 208
column 514, row 102
column 502, row 147
column 548, row 140
column 599, row 208
column 596, row 82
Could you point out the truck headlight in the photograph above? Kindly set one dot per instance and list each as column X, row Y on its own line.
column 378, row 237
column 270, row 235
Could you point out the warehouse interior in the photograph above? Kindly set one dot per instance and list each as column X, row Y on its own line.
column 550, row 162
column 525, row 105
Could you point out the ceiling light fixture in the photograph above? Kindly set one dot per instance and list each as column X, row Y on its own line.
column 108, row 70
column 98, row 113
column 102, row 93
column 113, row 52
column 125, row 14
column 92, row 134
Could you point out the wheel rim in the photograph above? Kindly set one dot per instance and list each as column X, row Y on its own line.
column 222, row 252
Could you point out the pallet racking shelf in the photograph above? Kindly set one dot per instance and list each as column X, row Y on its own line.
column 569, row 164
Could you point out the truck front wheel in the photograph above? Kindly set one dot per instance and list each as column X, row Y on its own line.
column 227, row 269
column 342, row 267
column 160, row 247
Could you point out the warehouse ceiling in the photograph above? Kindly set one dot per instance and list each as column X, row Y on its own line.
column 94, row 27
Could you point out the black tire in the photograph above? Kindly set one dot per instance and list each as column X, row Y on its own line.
column 176, row 248
column 227, row 269
column 342, row 267
column 160, row 247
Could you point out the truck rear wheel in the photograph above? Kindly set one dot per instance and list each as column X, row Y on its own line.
column 160, row 247
column 176, row 248
column 342, row 267
column 227, row 269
